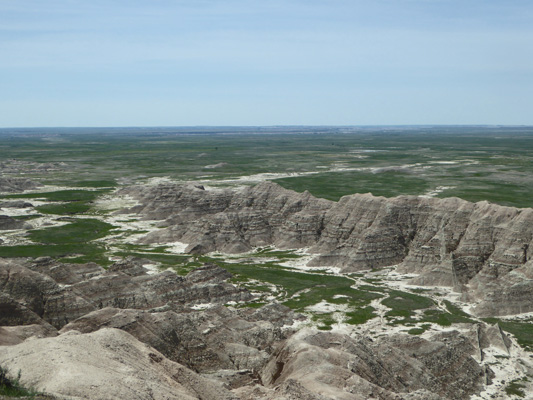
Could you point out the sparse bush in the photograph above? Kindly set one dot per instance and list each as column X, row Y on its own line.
column 11, row 387
column 515, row 388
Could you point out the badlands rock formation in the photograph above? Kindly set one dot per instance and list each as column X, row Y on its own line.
column 76, row 331
column 15, row 204
column 107, row 364
column 482, row 250
column 59, row 293
column 11, row 185
column 8, row 223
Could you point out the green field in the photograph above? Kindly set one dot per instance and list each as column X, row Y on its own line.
column 474, row 163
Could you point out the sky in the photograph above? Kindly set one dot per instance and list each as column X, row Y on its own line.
column 265, row 62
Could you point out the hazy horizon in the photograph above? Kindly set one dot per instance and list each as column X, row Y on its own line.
column 273, row 126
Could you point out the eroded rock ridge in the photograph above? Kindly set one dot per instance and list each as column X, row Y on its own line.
column 481, row 249
column 76, row 331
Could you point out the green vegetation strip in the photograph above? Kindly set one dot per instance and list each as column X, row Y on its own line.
column 280, row 254
column 68, row 208
column 443, row 318
column 360, row 316
column 72, row 201
column 306, row 289
column 77, row 231
column 70, row 243
column 404, row 304
column 71, row 253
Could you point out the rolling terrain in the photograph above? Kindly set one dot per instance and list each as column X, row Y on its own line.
column 254, row 263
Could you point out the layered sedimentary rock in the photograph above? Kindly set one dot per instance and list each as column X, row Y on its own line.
column 473, row 247
column 205, row 341
column 38, row 297
column 59, row 293
column 342, row 367
column 127, row 334
column 82, row 331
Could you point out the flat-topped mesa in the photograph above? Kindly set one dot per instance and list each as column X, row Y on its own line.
column 451, row 242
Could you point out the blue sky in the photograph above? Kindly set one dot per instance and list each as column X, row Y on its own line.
column 268, row 62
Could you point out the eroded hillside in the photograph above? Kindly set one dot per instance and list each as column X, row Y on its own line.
column 365, row 297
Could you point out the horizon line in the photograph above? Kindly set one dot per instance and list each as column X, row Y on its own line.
column 267, row 126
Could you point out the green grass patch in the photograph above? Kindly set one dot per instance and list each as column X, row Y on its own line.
column 69, row 243
column 443, row 318
column 403, row 303
column 355, row 298
column 453, row 309
column 402, row 312
column 399, row 313
column 324, row 320
column 419, row 330
column 68, row 208
column 237, row 279
column 258, row 288
column 77, row 231
column 373, row 281
column 371, row 288
column 403, row 306
column 73, row 201
column 360, row 315
column 515, row 388
column 311, row 288
column 71, row 252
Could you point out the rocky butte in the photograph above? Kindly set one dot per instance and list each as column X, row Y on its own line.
column 78, row 331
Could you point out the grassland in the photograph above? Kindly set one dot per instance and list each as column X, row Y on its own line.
column 474, row 163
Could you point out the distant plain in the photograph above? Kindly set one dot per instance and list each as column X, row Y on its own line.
column 473, row 163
